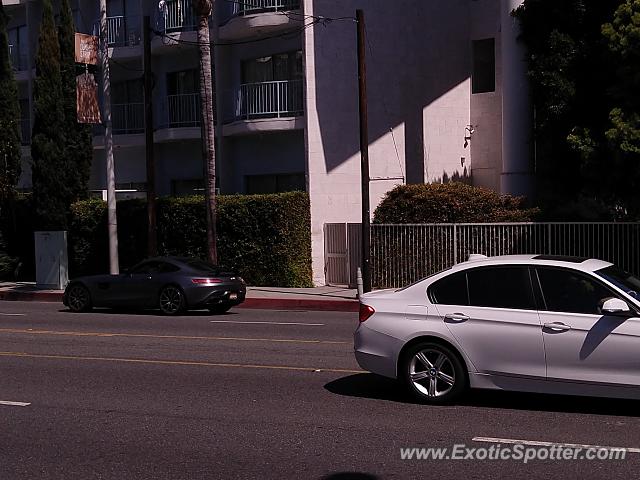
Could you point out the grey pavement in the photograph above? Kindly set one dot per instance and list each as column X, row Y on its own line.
column 254, row 394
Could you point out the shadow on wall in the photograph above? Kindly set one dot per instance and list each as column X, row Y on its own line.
column 401, row 78
column 465, row 177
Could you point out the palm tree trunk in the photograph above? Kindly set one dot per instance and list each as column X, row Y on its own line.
column 203, row 9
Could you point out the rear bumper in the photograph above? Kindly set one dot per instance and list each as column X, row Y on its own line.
column 375, row 351
column 205, row 297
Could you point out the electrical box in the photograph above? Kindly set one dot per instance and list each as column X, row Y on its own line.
column 52, row 264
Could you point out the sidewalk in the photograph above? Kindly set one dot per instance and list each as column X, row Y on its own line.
column 318, row 299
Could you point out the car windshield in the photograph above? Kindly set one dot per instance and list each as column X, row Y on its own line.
column 623, row 280
column 421, row 280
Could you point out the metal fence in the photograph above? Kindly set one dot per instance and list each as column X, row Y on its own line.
column 121, row 31
column 401, row 254
column 127, row 118
column 269, row 99
column 176, row 16
column 255, row 6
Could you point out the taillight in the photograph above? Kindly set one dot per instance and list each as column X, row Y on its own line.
column 365, row 312
column 206, row 281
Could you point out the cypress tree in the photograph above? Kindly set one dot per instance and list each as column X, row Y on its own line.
column 78, row 144
column 9, row 116
column 50, row 172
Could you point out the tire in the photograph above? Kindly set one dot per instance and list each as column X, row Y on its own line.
column 433, row 373
column 219, row 309
column 79, row 298
column 171, row 300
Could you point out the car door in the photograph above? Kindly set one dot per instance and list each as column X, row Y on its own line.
column 498, row 325
column 581, row 344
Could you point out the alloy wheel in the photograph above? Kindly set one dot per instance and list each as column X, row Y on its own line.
column 78, row 298
column 171, row 300
column 432, row 373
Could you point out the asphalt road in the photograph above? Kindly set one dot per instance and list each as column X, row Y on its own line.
column 254, row 394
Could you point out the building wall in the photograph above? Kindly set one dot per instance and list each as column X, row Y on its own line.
column 418, row 68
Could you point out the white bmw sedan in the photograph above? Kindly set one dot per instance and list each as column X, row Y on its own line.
column 529, row 323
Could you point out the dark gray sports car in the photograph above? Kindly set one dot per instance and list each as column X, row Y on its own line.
column 172, row 284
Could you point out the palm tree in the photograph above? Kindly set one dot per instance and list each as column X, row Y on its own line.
column 203, row 9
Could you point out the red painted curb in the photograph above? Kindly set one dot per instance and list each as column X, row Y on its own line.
column 301, row 304
column 257, row 303
column 14, row 295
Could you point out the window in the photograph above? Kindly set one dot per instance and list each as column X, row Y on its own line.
column 276, row 183
column 501, row 287
column 18, row 45
column 571, row 291
column 623, row 280
column 154, row 267
column 483, row 77
column 282, row 66
column 450, row 290
column 184, row 82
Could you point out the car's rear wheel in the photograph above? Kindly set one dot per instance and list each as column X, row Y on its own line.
column 219, row 309
column 171, row 300
column 78, row 298
column 433, row 373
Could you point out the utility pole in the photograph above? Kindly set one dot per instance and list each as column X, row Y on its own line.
column 114, row 268
column 364, row 155
column 152, row 245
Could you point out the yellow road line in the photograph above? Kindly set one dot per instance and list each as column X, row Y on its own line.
column 173, row 337
column 176, row 362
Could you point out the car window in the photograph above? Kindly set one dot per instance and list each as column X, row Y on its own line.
column 571, row 291
column 450, row 290
column 146, row 267
column 164, row 267
column 501, row 287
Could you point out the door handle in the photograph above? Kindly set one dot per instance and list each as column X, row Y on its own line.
column 456, row 317
column 557, row 327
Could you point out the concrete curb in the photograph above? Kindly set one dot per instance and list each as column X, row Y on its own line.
column 257, row 303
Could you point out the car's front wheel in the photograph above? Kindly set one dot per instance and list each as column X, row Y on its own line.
column 79, row 298
column 433, row 373
column 171, row 300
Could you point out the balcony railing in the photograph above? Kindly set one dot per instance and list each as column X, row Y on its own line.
column 176, row 16
column 269, row 99
column 247, row 7
column 121, row 31
column 18, row 58
column 127, row 118
column 25, row 131
column 181, row 110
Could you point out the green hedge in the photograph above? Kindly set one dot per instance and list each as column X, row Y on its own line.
column 451, row 203
column 266, row 238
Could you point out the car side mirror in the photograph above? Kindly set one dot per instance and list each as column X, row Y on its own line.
column 615, row 306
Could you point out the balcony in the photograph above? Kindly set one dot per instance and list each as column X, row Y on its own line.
column 179, row 118
column 267, row 106
column 127, row 118
column 261, row 6
column 177, row 16
column 246, row 19
column 122, row 31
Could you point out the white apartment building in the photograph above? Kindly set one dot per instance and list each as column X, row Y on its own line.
column 446, row 86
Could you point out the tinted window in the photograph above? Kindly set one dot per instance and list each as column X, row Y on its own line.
column 571, row 291
column 146, row 267
column 164, row 267
column 501, row 287
column 450, row 290
column 623, row 280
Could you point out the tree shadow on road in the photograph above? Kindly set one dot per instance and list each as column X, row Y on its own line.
column 368, row 385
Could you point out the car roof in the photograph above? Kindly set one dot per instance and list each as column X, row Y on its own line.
column 577, row 263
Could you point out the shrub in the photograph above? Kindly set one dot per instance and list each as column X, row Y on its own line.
column 450, row 203
column 267, row 238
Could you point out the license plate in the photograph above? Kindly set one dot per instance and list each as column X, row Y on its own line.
column 233, row 296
